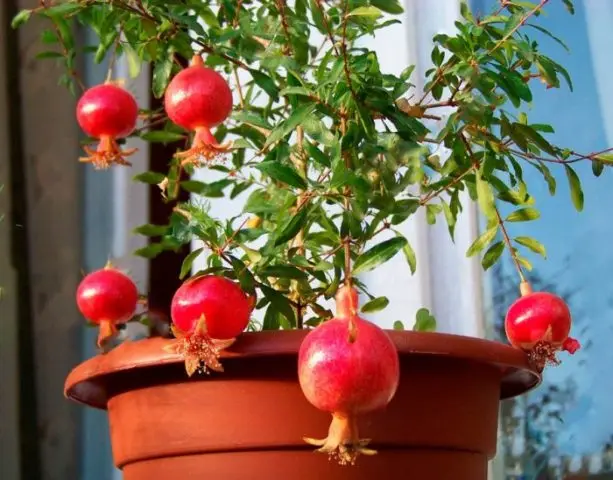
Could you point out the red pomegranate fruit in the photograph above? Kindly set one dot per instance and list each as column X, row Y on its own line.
column 539, row 323
column 198, row 99
column 107, row 112
column 107, row 298
column 347, row 366
column 208, row 313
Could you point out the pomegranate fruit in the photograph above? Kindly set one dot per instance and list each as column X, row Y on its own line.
column 208, row 313
column 539, row 323
column 107, row 298
column 107, row 112
column 347, row 366
column 198, row 99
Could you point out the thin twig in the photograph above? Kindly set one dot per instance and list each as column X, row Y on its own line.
column 507, row 241
column 520, row 23
column 239, row 88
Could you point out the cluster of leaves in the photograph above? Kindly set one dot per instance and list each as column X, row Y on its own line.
column 331, row 154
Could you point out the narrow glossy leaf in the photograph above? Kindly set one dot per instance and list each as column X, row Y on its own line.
column 375, row 305
column 523, row 215
column 265, row 83
column 378, row 255
column 151, row 230
column 512, row 23
column 282, row 173
column 365, row 11
column 186, row 266
column 161, row 74
column 532, row 244
column 482, row 241
column 524, row 263
column 296, row 118
column 492, row 255
column 409, row 254
column 272, row 320
column 302, row 91
column 576, row 192
column 536, row 138
column 22, row 17
column 292, row 227
column 280, row 302
column 597, row 168
column 605, row 158
column 50, row 54
column 398, row 325
column 162, row 136
column 152, row 178
column 390, row 6
column 150, row 251
column 283, row 271
column 133, row 60
column 569, row 6
column 485, row 197
column 244, row 276
column 424, row 321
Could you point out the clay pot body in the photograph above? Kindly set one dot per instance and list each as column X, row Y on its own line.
column 248, row 422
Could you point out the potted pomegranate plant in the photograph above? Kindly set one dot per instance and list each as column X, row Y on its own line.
column 328, row 155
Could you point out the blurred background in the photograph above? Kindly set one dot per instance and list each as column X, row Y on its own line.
column 62, row 219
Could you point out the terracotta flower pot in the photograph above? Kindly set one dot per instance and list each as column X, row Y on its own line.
column 248, row 422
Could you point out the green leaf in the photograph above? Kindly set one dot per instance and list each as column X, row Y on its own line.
column 282, row 173
column 162, row 136
column 424, row 321
column 482, row 241
column 378, row 255
column 150, row 251
column 283, row 271
column 597, row 168
column 296, row 118
column 375, row 305
column 492, row 255
column 576, row 193
column 536, row 138
column 280, row 302
column 62, row 9
column 523, row 215
column 49, row 54
column 512, row 23
column 296, row 91
column 532, row 244
column 265, row 83
column 161, row 74
column 365, row 11
column 292, row 227
column 390, row 6
column 151, row 230
column 22, row 17
column 409, row 254
column 485, row 197
column 272, row 318
column 151, row 178
column 133, row 60
column 186, row 266
column 398, row 325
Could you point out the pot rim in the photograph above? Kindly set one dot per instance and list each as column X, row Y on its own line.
column 87, row 382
